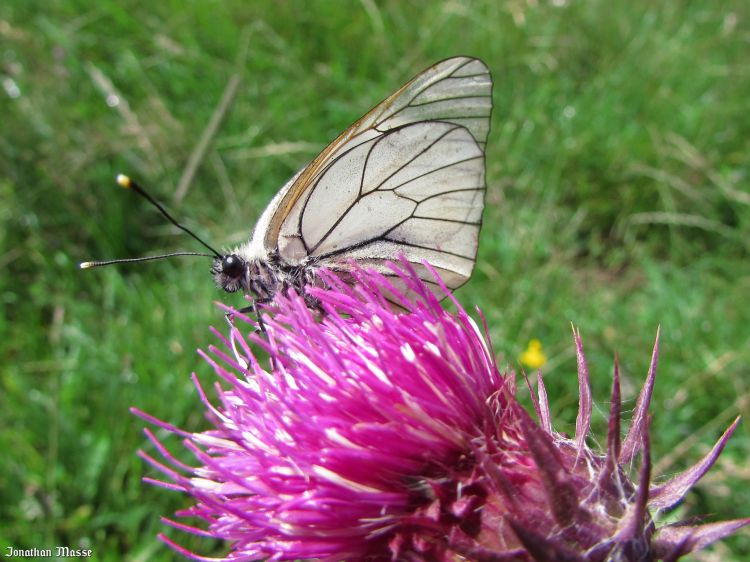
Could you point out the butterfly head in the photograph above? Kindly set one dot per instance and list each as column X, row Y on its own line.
column 230, row 273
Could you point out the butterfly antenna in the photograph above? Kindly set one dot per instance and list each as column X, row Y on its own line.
column 127, row 183
column 91, row 264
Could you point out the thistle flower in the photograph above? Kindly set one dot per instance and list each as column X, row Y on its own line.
column 383, row 435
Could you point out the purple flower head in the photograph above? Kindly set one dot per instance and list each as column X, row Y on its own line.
column 385, row 434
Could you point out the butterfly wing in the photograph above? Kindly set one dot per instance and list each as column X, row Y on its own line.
column 407, row 178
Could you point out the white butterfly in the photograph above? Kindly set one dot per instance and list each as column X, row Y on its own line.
column 406, row 179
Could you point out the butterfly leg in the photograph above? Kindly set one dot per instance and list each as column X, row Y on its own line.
column 245, row 310
column 258, row 318
column 313, row 304
column 229, row 316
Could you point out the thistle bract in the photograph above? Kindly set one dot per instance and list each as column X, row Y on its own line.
column 382, row 429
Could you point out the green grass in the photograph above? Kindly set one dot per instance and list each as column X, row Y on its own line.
column 618, row 200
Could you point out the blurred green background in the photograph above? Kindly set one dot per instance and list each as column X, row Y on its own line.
column 618, row 200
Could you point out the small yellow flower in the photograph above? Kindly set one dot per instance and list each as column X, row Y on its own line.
column 533, row 357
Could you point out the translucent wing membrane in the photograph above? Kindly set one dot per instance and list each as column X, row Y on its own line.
column 407, row 178
column 457, row 90
column 417, row 191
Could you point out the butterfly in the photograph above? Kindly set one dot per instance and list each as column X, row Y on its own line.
column 407, row 179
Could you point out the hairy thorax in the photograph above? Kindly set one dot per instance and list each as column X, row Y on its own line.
column 261, row 278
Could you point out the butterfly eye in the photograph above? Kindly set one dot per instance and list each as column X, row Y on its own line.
column 232, row 266
column 230, row 272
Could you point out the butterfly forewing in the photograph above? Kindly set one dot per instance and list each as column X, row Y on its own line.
column 407, row 178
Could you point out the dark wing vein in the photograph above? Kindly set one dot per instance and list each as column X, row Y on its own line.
column 433, row 84
column 413, row 158
column 412, row 104
column 428, row 248
column 360, row 197
column 420, row 176
column 440, row 194
column 384, row 236
column 454, row 221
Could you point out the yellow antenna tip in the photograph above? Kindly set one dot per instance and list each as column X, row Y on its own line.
column 85, row 265
column 123, row 181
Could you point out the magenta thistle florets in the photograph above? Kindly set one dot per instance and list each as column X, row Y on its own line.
column 385, row 434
